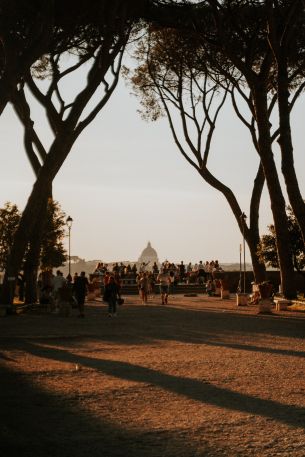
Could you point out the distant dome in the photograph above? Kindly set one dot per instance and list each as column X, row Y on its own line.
column 149, row 254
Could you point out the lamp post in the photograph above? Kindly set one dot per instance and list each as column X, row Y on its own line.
column 69, row 222
column 243, row 218
column 240, row 269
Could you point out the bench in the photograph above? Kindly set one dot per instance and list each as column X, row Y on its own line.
column 281, row 303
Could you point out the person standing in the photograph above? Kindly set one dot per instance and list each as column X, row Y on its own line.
column 143, row 287
column 172, row 279
column 143, row 267
column 155, row 269
column 75, row 276
column 57, row 282
column 181, row 271
column 151, row 284
column 118, row 281
column 201, row 273
column 80, row 288
column 111, row 296
column 164, row 281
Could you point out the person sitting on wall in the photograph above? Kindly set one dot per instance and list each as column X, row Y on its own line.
column 155, row 269
column 181, row 268
column 210, row 288
column 201, row 273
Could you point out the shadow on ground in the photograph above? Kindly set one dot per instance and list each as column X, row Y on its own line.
column 38, row 423
column 35, row 423
column 191, row 388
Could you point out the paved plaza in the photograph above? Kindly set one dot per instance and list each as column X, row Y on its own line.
column 199, row 377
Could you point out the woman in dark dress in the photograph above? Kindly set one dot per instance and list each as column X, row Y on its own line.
column 111, row 296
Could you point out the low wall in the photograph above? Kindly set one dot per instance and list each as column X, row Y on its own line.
column 233, row 280
column 273, row 276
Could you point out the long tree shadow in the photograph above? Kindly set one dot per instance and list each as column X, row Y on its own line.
column 36, row 423
column 145, row 326
column 216, row 328
column 196, row 390
column 253, row 348
column 140, row 324
column 189, row 321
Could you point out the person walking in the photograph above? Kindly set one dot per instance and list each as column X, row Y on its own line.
column 80, row 288
column 143, row 287
column 151, row 284
column 172, row 279
column 164, row 281
column 111, row 296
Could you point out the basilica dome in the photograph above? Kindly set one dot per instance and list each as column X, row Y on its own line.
column 149, row 254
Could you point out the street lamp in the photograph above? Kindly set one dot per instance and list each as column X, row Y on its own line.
column 69, row 224
column 243, row 218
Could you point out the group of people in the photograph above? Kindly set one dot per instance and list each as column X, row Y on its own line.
column 188, row 273
column 146, row 282
column 62, row 293
column 117, row 268
column 166, row 276
column 198, row 272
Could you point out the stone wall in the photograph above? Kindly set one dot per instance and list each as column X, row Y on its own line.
column 273, row 276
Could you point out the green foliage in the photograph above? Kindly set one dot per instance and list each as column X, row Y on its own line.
column 267, row 248
column 172, row 75
column 53, row 253
column 9, row 220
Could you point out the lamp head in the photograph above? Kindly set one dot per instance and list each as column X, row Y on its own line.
column 69, row 221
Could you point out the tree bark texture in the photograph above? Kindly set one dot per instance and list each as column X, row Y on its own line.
column 278, row 206
column 295, row 198
column 31, row 265
column 35, row 206
column 251, row 237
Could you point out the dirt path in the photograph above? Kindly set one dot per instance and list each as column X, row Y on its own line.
column 197, row 378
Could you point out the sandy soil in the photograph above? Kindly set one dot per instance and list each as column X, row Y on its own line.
column 197, row 378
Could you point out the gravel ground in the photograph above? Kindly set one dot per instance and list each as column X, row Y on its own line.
column 199, row 377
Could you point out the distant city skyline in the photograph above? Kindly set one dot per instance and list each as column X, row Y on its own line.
column 138, row 260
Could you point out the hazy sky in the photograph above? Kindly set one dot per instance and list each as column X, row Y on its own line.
column 125, row 183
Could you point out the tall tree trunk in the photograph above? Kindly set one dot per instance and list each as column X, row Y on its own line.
column 251, row 234
column 31, row 265
column 22, row 237
column 278, row 206
column 259, row 268
column 295, row 198
column 30, row 275
column 35, row 205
